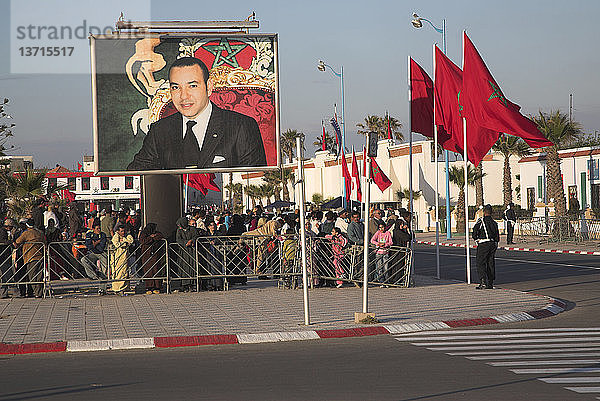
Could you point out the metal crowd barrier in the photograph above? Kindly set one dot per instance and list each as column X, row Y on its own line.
column 558, row 229
column 209, row 263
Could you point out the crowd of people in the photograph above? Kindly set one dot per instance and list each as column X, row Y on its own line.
column 83, row 241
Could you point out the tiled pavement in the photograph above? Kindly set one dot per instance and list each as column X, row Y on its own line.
column 259, row 307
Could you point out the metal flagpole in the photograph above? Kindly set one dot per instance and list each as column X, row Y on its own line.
column 410, row 166
column 302, row 228
column 466, row 203
column 466, row 186
column 185, row 194
column 437, row 184
column 366, row 233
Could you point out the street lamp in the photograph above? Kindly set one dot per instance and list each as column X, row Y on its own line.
column 417, row 22
column 322, row 66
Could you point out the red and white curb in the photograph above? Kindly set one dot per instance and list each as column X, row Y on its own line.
column 512, row 248
column 553, row 308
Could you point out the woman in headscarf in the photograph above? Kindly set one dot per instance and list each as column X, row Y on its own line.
column 152, row 248
column 186, row 238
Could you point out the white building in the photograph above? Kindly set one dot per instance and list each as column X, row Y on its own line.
column 323, row 176
column 580, row 169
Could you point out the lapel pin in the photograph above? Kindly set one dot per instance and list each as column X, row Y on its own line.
column 214, row 135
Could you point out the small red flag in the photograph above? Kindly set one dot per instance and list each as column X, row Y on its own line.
column 208, row 180
column 323, row 142
column 347, row 178
column 194, row 181
column 379, row 178
column 356, row 176
column 68, row 195
column 485, row 104
column 79, row 166
column 421, row 101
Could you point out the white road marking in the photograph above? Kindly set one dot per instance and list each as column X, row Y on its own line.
column 533, row 356
column 486, row 343
column 497, row 336
column 511, row 347
column 586, row 390
column 547, row 371
column 557, row 329
column 512, row 351
column 556, row 362
column 566, row 380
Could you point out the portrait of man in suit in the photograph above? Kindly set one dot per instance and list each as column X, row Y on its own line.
column 199, row 135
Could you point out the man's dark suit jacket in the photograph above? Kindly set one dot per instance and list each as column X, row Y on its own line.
column 231, row 140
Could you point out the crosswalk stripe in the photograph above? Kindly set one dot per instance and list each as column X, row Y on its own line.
column 486, row 343
column 519, row 352
column 496, row 336
column 567, row 380
column 554, row 371
column 512, row 347
column 558, row 362
column 492, row 331
column 584, row 389
column 533, row 356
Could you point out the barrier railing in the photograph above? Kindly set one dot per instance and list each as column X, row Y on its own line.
column 558, row 229
column 208, row 263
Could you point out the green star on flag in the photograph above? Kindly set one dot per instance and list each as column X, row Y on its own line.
column 225, row 46
column 497, row 93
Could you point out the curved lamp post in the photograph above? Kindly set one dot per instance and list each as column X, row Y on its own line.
column 417, row 22
column 322, row 66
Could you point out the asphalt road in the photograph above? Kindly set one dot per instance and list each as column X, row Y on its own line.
column 370, row 368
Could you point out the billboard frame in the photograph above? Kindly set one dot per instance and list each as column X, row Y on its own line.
column 176, row 34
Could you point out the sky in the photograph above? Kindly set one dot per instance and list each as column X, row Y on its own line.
column 538, row 51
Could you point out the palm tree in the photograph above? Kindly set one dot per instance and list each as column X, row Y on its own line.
column 404, row 193
column 373, row 123
column 317, row 199
column 273, row 177
column 509, row 146
column 235, row 189
column 265, row 191
column 252, row 191
column 287, row 176
column 329, row 141
column 457, row 177
column 288, row 143
column 557, row 128
column 479, row 185
column 23, row 190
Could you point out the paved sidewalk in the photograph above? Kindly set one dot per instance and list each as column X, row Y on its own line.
column 259, row 307
column 521, row 244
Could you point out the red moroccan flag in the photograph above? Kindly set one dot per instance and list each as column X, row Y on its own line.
column 356, row 176
column 421, row 100
column 379, row 178
column 485, row 104
column 208, row 180
column 323, row 142
column 448, row 113
column 193, row 180
column 347, row 178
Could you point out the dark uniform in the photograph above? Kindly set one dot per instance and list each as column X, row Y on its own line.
column 510, row 217
column 485, row 232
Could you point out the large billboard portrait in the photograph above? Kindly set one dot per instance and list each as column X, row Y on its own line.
column 172, row 104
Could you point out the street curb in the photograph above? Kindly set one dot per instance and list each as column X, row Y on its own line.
column 554, row 307
column 511, row 248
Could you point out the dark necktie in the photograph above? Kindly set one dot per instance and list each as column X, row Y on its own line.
column 191, row 150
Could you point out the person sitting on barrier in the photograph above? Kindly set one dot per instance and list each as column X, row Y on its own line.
column 95, row 261
column 338, row 243
column 120, row 271
column 382, row 240
column 268, row 232
column 33, row 242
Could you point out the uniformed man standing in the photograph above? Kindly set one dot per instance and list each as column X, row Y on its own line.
column 510, row 219
column 485, row 232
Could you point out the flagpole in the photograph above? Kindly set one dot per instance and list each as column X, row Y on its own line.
column 344, row 203
column 299, row 152
column 410, row 167
column 466, row 184
column 366, row 234
column 185, row 196
column 437, row 184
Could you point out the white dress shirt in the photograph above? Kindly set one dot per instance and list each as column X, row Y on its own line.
column 199, row 128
